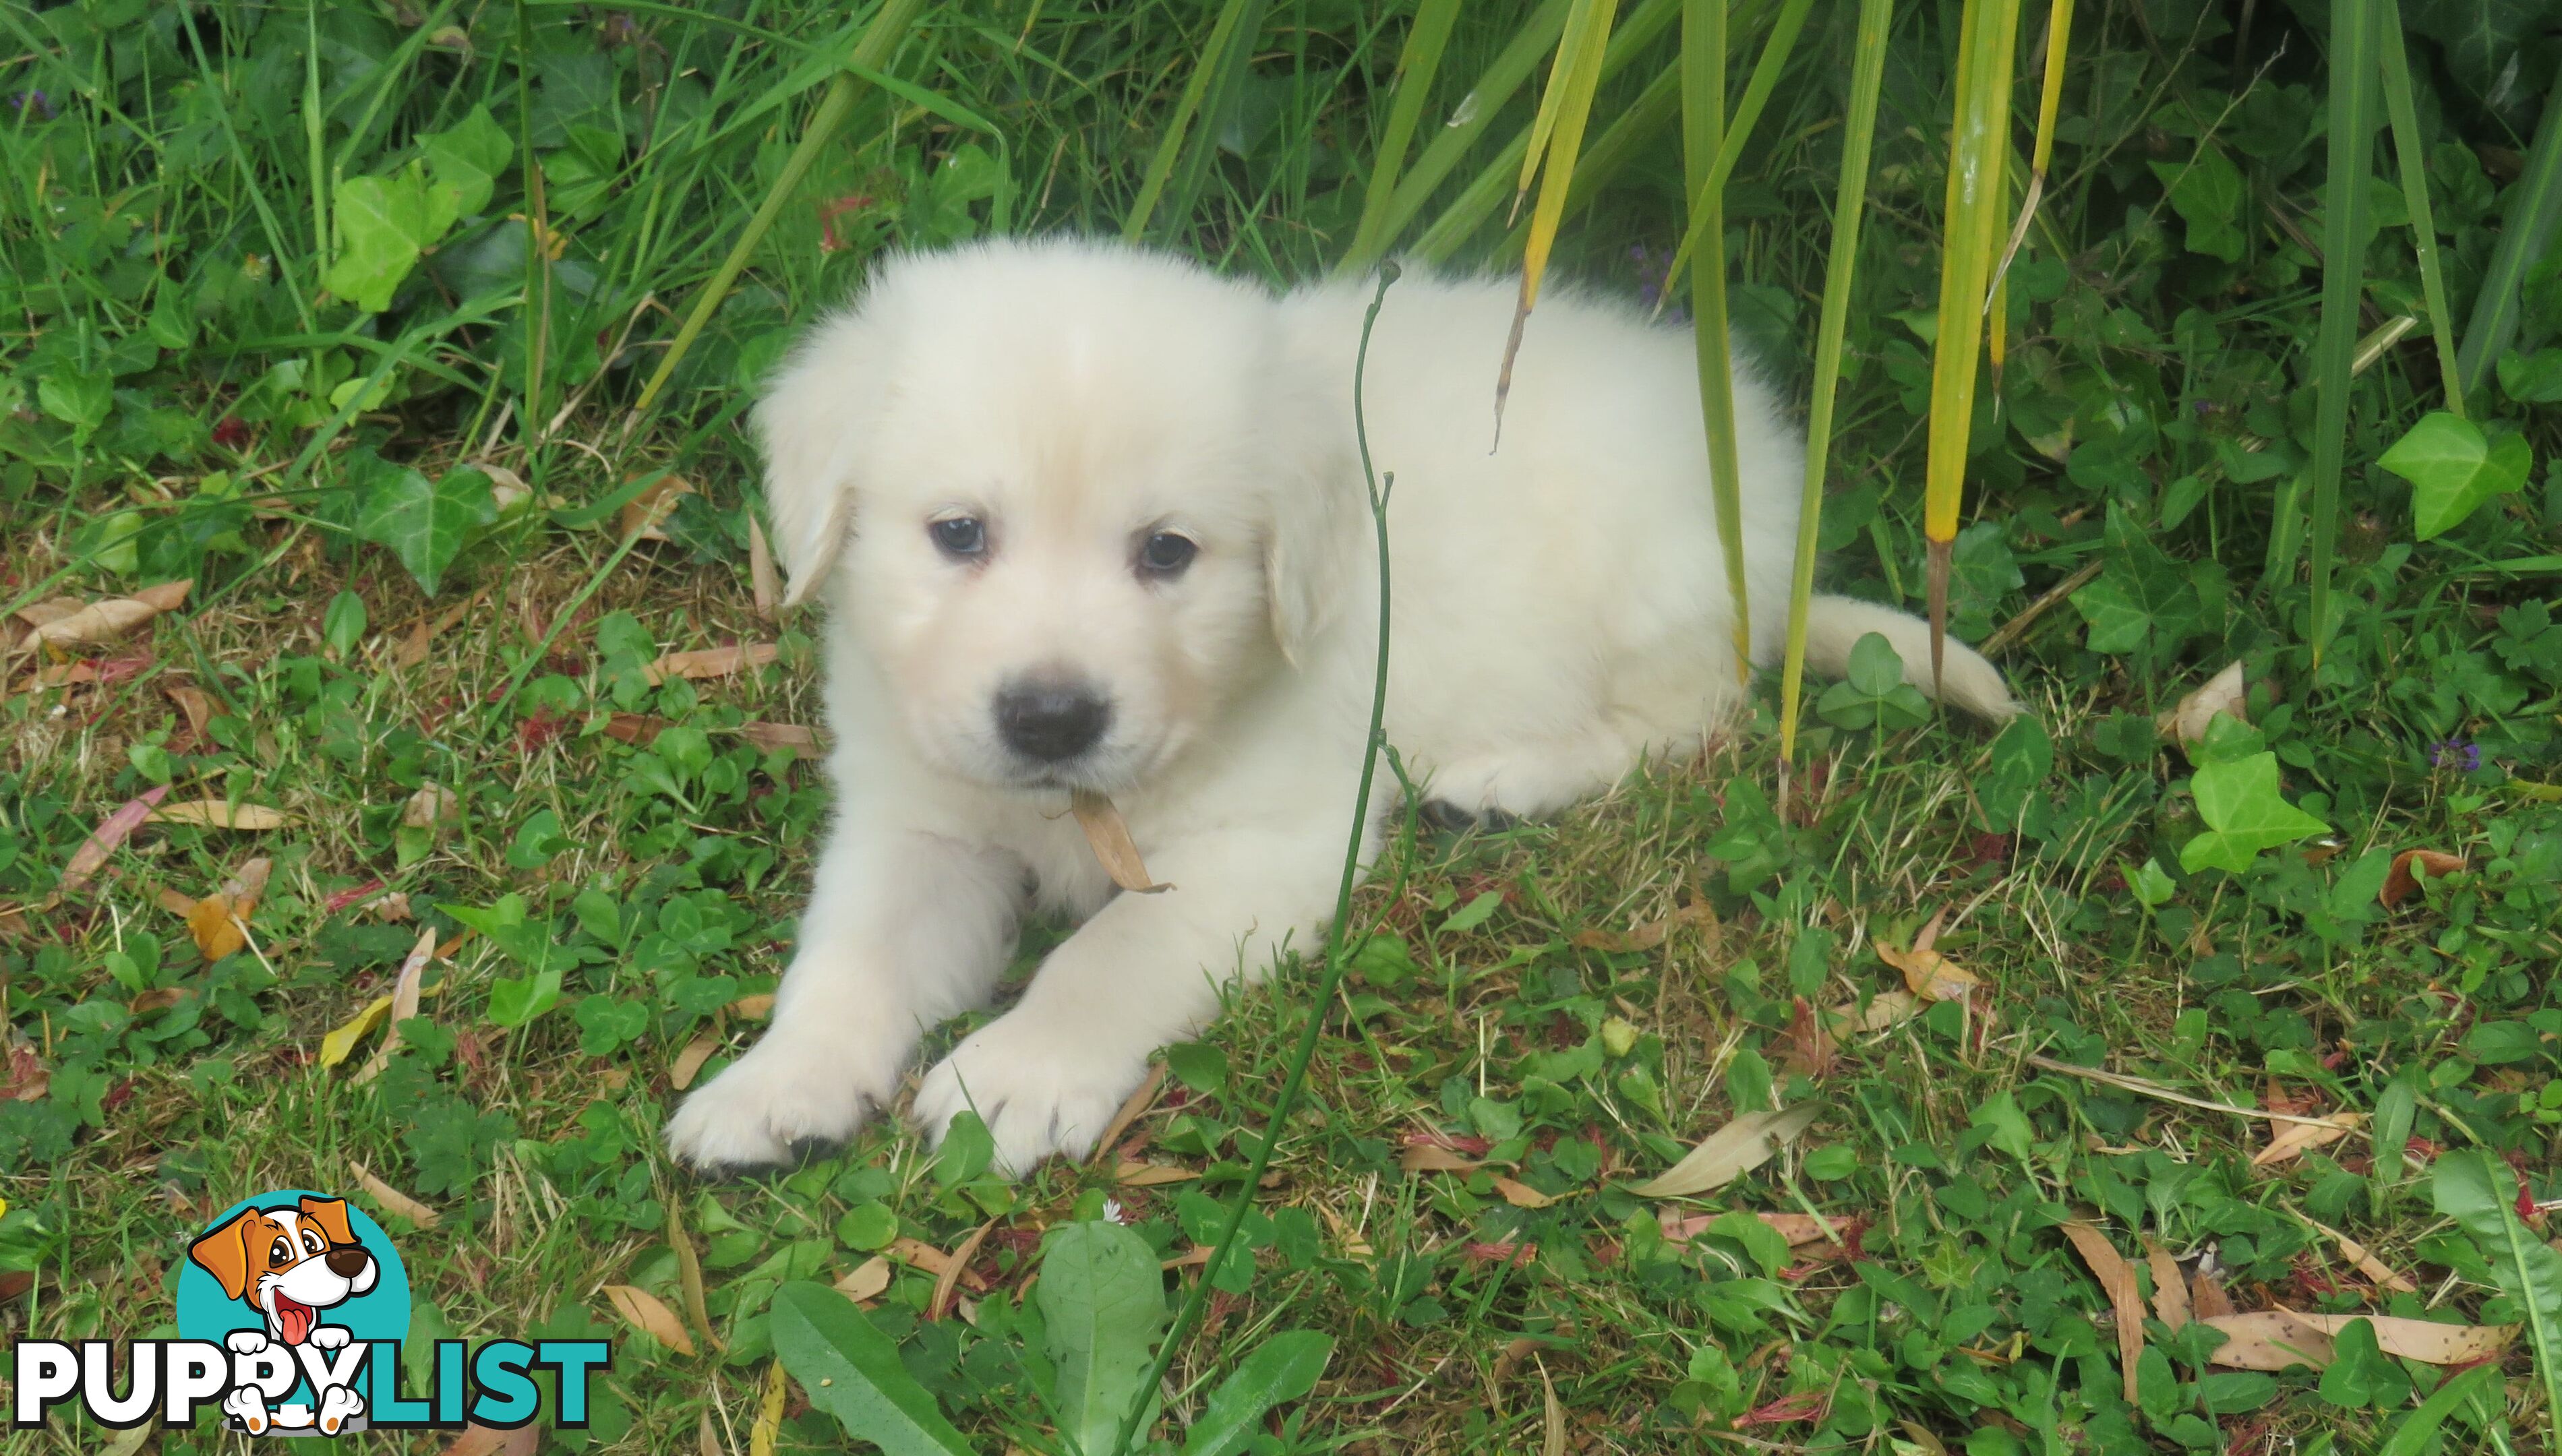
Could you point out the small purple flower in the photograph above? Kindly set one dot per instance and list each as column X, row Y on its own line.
column 1653, row 273
column 2459, row 754
column 21, row 101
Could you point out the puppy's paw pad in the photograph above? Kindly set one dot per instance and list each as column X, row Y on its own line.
column 1038, row 1091
column 777, row 1095
column 244, row 1342
column 329, row 1337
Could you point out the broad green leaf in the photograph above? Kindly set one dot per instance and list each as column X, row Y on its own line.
column 1285, row 1369
column 424, row 522
column 2532, row 379
column 382, row 228
column 2453, row 469
column 79, row 397
column 468, row 157
column 2481, row 1194
column 852, row 1371
column 1103, row 1300
column 2207, row 195
column 516, row 999
column 2412, row 1436
column 2244, row 813
column 968, row 1148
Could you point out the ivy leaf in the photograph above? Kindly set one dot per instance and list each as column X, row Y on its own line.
column 2532, row 379
column 467, row 158
column 2207, row 195
column 2244, row 815
column 424, row 522
column 2453, row 469
column 382, row 229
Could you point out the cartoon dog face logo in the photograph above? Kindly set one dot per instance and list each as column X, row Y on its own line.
column 289, row 1263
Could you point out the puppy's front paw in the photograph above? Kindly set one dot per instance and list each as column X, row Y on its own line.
column 1040, row 1089
column 329, row 1337
column 245, row 1341
column 787, row 1089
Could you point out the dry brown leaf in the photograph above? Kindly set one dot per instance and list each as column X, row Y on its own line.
column 753, row 1008
column 2382, row 1274
column 2185, row 724
column 176, row 902
column 391, row 1199
column 689, row 1062
column 2271, row 1340
column 2170, row 1286
column 1729, row 1152
column 689, row 1275
column 406, row 988
column 639, row 729
column 1133, row 1106
column 1136, row 1175
column 1433, row 1158
column 917, row 1253
column 52, row 609
column 92, row 856
column 431, row 805
column 953, row 1268
column 1809, row 1041
column 481, row 1440
column 157, row 999
column 708, row 1440
column 866, row 1280
column 2126, row 1297
column 644, row 514
column 218, row 921
column 421, row 640
column 1923, row 1437
column 649, row 1315
column 1553, row 1421
column 13, row 923
column 1521, row 1195
column 191, row 701
column 769, row 1414
column 1650, row 934
column 1931, row 975
column 762, row 580
column 771, row 736
column 711, row 662
column 2400, row 883
column 2292, row 1140
column 166, row 597
column 1109, row 835
column 507, row 488
column 24, row 1077
column 1347, row 1236
column 221, row 813
column 1799, row 1229
column 393, row 908
column 2206, row 1297
column 100, row 621
column 1885, row 1009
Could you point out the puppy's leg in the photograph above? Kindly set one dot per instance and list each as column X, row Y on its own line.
column 1048, row 1075
column 903, row 930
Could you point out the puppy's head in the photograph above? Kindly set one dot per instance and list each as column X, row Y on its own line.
column 1074, row 498
column 290, row 1263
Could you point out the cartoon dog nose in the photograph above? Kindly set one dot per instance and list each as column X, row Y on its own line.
column 1049, row 720
column 347, row 1260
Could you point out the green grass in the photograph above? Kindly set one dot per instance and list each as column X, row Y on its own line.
column 1572, row 1004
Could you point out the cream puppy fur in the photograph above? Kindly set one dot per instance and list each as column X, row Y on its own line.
column 1089, row 517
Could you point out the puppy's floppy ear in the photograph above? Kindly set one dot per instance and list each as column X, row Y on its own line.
column 224, row 1253
column 1309, row 546
column 807, row 422
column 331, row 1216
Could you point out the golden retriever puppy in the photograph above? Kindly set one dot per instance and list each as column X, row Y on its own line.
column 1089, row 517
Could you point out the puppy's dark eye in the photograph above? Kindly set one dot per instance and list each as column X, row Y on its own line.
column 1166, row 554
column 961, row 536
column 281, row 1253
column 313, row 1243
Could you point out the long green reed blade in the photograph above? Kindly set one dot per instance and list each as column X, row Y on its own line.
column 1170, row 148
column 2353, row 71
column 1578, row 75
column 1417, row 67
column 1229, row 67
column 1553, row 102
column 1702, row 96
column 879, row 41
column 1849, row 204
column 1756, row 93
column 2405, row 115
column 2534, row 208
column 1979, row 149
column 2050, row 100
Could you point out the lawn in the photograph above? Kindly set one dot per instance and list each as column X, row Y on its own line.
column 2140, row 1077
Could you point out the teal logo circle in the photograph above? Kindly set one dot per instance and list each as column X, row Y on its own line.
column 285, row 1264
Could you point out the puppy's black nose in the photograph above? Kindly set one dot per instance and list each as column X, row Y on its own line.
column 1050, row 721
column 347, row 1260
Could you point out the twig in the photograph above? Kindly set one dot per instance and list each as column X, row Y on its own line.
column 2142, row 1088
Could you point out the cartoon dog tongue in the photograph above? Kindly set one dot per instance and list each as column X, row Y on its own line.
column 296, row 1317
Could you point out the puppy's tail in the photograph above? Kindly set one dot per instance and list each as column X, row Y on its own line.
column 1835, row 624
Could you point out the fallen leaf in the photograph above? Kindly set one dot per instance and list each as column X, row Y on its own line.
column 2170, row 1286
column 1931, row 975
column 2185, row 723
column 157, row 999
column 13, row 923
column 221, row 813
column 2292, row 1140
column 2271, row 1340
column 637, row 729
column 176, row 902
column 481, row 1440
column 1523, row 1196
column 1809, row 1043
column 1924, row 1439
column 1433, row 1158
column 689, row 1274
column 646, row 1313
column 431, row 805
column 2126, row 1297
column 866, row 1280
column 1348, row 1237
column 106, row 621
column 954, row 1267
column 393, row 908
column 706, row 1439
column 917, row 1253
column 341, row 899
column 1799, row 1229
column 711, row 662
column 1133, row 1106
column 1729, row 1152
column 405, row 993
column 2400, row 883
column 1886, row 1009
column 771, row 736
column 341, row 1041
column 421, row 640
column 507, row 488
column 1553, row 1421
column 1135, row 1175
column 753, row 1008
column 1109, row 835
column 52, row 609
column 644, row 514
column 191, row 701
column 689, row 1062
column 761, row 580
column 2383, row 1275
column 26, row 1077
column 1646, row 936
column 769, row 1414
column 210, row 921
column 391, row 1199
column 92, row 856
column 2206, row 1297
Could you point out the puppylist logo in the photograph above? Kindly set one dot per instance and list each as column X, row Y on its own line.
column 292, row 1310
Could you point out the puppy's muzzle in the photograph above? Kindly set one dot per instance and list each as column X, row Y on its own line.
column 348, row 1260
column 1050, row 721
